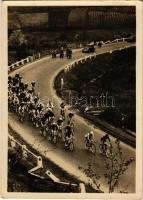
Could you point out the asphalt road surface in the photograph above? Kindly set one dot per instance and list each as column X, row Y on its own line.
column 43, row 72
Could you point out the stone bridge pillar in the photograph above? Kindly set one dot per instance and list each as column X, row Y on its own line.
column 58, row 17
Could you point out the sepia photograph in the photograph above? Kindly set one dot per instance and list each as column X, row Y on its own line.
column 72, row 85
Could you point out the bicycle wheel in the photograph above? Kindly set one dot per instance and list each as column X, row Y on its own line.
column 71, row 146
column 93, row 148
column 100, row 149
column 55, row 140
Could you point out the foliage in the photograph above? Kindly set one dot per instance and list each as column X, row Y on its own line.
column 17, row 41
column 112, row 74
column 116, row 165
column 90, row 173
column 17, row 38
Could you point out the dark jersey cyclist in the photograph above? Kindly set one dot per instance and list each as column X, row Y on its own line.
column 68, row 131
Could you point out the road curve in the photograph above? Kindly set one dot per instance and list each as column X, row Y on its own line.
column 43, row 72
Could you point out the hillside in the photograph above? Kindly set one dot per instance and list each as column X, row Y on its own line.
column 111, row 76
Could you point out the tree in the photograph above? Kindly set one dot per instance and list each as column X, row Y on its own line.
column 115, row 165
column 90, row 173
column 17, row 40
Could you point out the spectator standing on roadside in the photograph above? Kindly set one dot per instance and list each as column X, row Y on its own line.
column 61, row 52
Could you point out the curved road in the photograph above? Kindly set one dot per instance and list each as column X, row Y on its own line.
column 43, row 72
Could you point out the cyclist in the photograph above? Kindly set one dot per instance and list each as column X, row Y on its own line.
column 60, row 125
column 54, row 128
column 105, row 142
column 33, row 86
column 60, row 122
column 50, row 116
column 68, row 134
column 89, row 138
column 62, row 110
column 69, row 117
column 50, row 106
column 105, row 139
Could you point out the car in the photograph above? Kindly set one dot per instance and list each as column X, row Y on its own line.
column 88, row 49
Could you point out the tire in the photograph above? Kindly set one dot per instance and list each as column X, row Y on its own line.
column 65, row 146
column 60, row 134
column 85, row 146
column 71, row 146
column 72, row 126
column 49, row 138
column 93, row 148
column 63, row 117
column 55, row 140
column 108, row 152
column 100, row 149
column 44, row 133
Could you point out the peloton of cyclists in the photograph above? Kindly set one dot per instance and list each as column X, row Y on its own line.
column 22, row 99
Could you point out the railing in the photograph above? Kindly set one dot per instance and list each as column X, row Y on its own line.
column 37, row 161
column 93, row 56
column 24, row 61
column 113, row 41
column 38, row 56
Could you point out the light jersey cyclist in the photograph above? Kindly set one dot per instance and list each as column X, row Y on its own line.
column 60, row 123
column 89, row 138
column 54, row 128
column 50, row 106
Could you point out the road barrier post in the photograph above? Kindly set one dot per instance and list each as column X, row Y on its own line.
column 62, row 83
column 24, row 152
column 39, row 162
column 82, row 188
column 12, row 66
column 17, row 64
column 12, row 142
column 22, row 62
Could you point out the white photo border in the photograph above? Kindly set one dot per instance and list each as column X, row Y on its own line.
column 139, row 99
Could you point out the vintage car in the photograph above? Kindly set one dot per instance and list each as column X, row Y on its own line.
column 88, row 49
